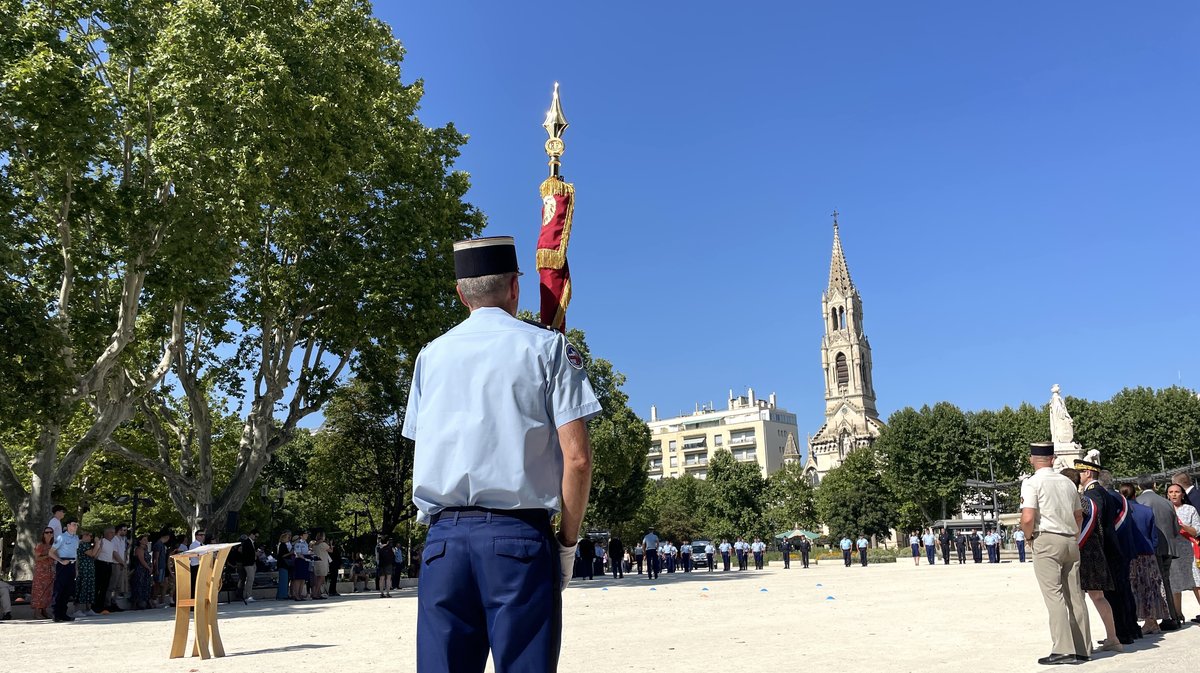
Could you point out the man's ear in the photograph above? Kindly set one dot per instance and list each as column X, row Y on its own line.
column 458, row 291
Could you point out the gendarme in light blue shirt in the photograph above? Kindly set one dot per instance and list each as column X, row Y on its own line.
column 486, row 403
column 67, row 545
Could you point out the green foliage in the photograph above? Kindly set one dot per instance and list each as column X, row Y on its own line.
column 619, row 442
column 854, row 499
column 925, row 456
column 1140, row 430
column 789, row 500
column 736, row 493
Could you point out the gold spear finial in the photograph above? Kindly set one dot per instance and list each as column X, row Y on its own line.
column 555, row 125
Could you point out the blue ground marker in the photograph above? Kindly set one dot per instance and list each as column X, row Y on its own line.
column 830, row 598
column 762, row 590
column 704, row 589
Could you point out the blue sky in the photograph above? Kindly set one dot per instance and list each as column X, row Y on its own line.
column 1018, row 185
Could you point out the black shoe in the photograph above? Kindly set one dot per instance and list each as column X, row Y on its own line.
column 1168, row 625
column 7, row 616
column 1081, row 658
column 64, row 619
column 1196, row 619
column 1054, row 659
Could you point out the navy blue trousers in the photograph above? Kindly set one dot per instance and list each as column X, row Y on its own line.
column 488, row 582
column 652, row 564
column 64, row 588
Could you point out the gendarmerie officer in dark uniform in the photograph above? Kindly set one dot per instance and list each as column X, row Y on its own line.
column 805, row 549
column 960, row 547
column 944, row 541
column 976, row 546
column 498, row 410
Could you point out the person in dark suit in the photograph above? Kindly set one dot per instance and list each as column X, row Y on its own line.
column 1114, row 557
column 976, row 547
column 786, row 548
column 616, row 552
column 944, row 541
column 1190, row 492
column 960, row 546
column 1168, row 529
column 587, row 556
column 805, row 546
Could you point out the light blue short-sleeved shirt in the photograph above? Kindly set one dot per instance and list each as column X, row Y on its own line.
column 67, row 545
column 846, row 543
column 486, row 403
column 650, row 541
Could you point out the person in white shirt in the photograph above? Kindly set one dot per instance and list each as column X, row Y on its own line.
column 1051, row 514
column 928, row 540
column 725, row 547
column 915, row 543
column 709, row 550
column 121, row 556
column 198, row 541
column 56, row 518
column 104, row 571
column 1019, row 538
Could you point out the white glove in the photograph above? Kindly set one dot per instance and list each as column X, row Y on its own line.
column 566, row 562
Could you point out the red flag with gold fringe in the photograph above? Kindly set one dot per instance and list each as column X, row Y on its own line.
column 558, row 209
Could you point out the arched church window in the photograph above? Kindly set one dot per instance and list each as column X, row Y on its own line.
column 842, row 318
column 833, row 318
column 843, row 372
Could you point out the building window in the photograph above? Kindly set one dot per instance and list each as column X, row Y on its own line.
column 656, row 463
column 674, row 461
column 842, row 318
column 672, row 445
column 843, row 372
column 718, row 440
column 741, row 437
column 655, row 447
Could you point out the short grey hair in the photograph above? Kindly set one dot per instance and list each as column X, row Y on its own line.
column 1105, row 478
column 485, row 290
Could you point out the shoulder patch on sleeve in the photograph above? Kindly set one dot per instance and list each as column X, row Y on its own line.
column 573, row 356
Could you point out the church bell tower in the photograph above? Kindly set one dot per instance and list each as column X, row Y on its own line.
column 851, row 420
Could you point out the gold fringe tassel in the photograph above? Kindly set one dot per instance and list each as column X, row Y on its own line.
column 556, row 258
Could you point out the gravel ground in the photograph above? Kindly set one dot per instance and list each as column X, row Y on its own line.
column 893, row 617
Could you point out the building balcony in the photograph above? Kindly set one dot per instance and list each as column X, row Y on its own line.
column 742, row 441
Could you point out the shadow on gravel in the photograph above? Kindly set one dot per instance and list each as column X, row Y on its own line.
column 274, row 650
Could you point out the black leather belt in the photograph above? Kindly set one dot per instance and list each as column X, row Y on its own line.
column 539, row 518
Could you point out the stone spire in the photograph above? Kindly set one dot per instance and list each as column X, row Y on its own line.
column 839, row 272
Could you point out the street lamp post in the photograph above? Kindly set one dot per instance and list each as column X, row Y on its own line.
column 356, row 513
column 136, row 499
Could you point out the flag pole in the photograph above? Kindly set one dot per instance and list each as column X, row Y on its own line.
column 558, row 212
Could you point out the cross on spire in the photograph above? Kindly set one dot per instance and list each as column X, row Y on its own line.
column 839, row 272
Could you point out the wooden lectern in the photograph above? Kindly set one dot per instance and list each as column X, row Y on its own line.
column 208, row 588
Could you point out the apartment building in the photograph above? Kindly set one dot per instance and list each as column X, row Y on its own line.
column 752, row 429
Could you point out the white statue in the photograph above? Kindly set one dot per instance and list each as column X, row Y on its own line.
column 1062, row 428
column 1062, row 431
